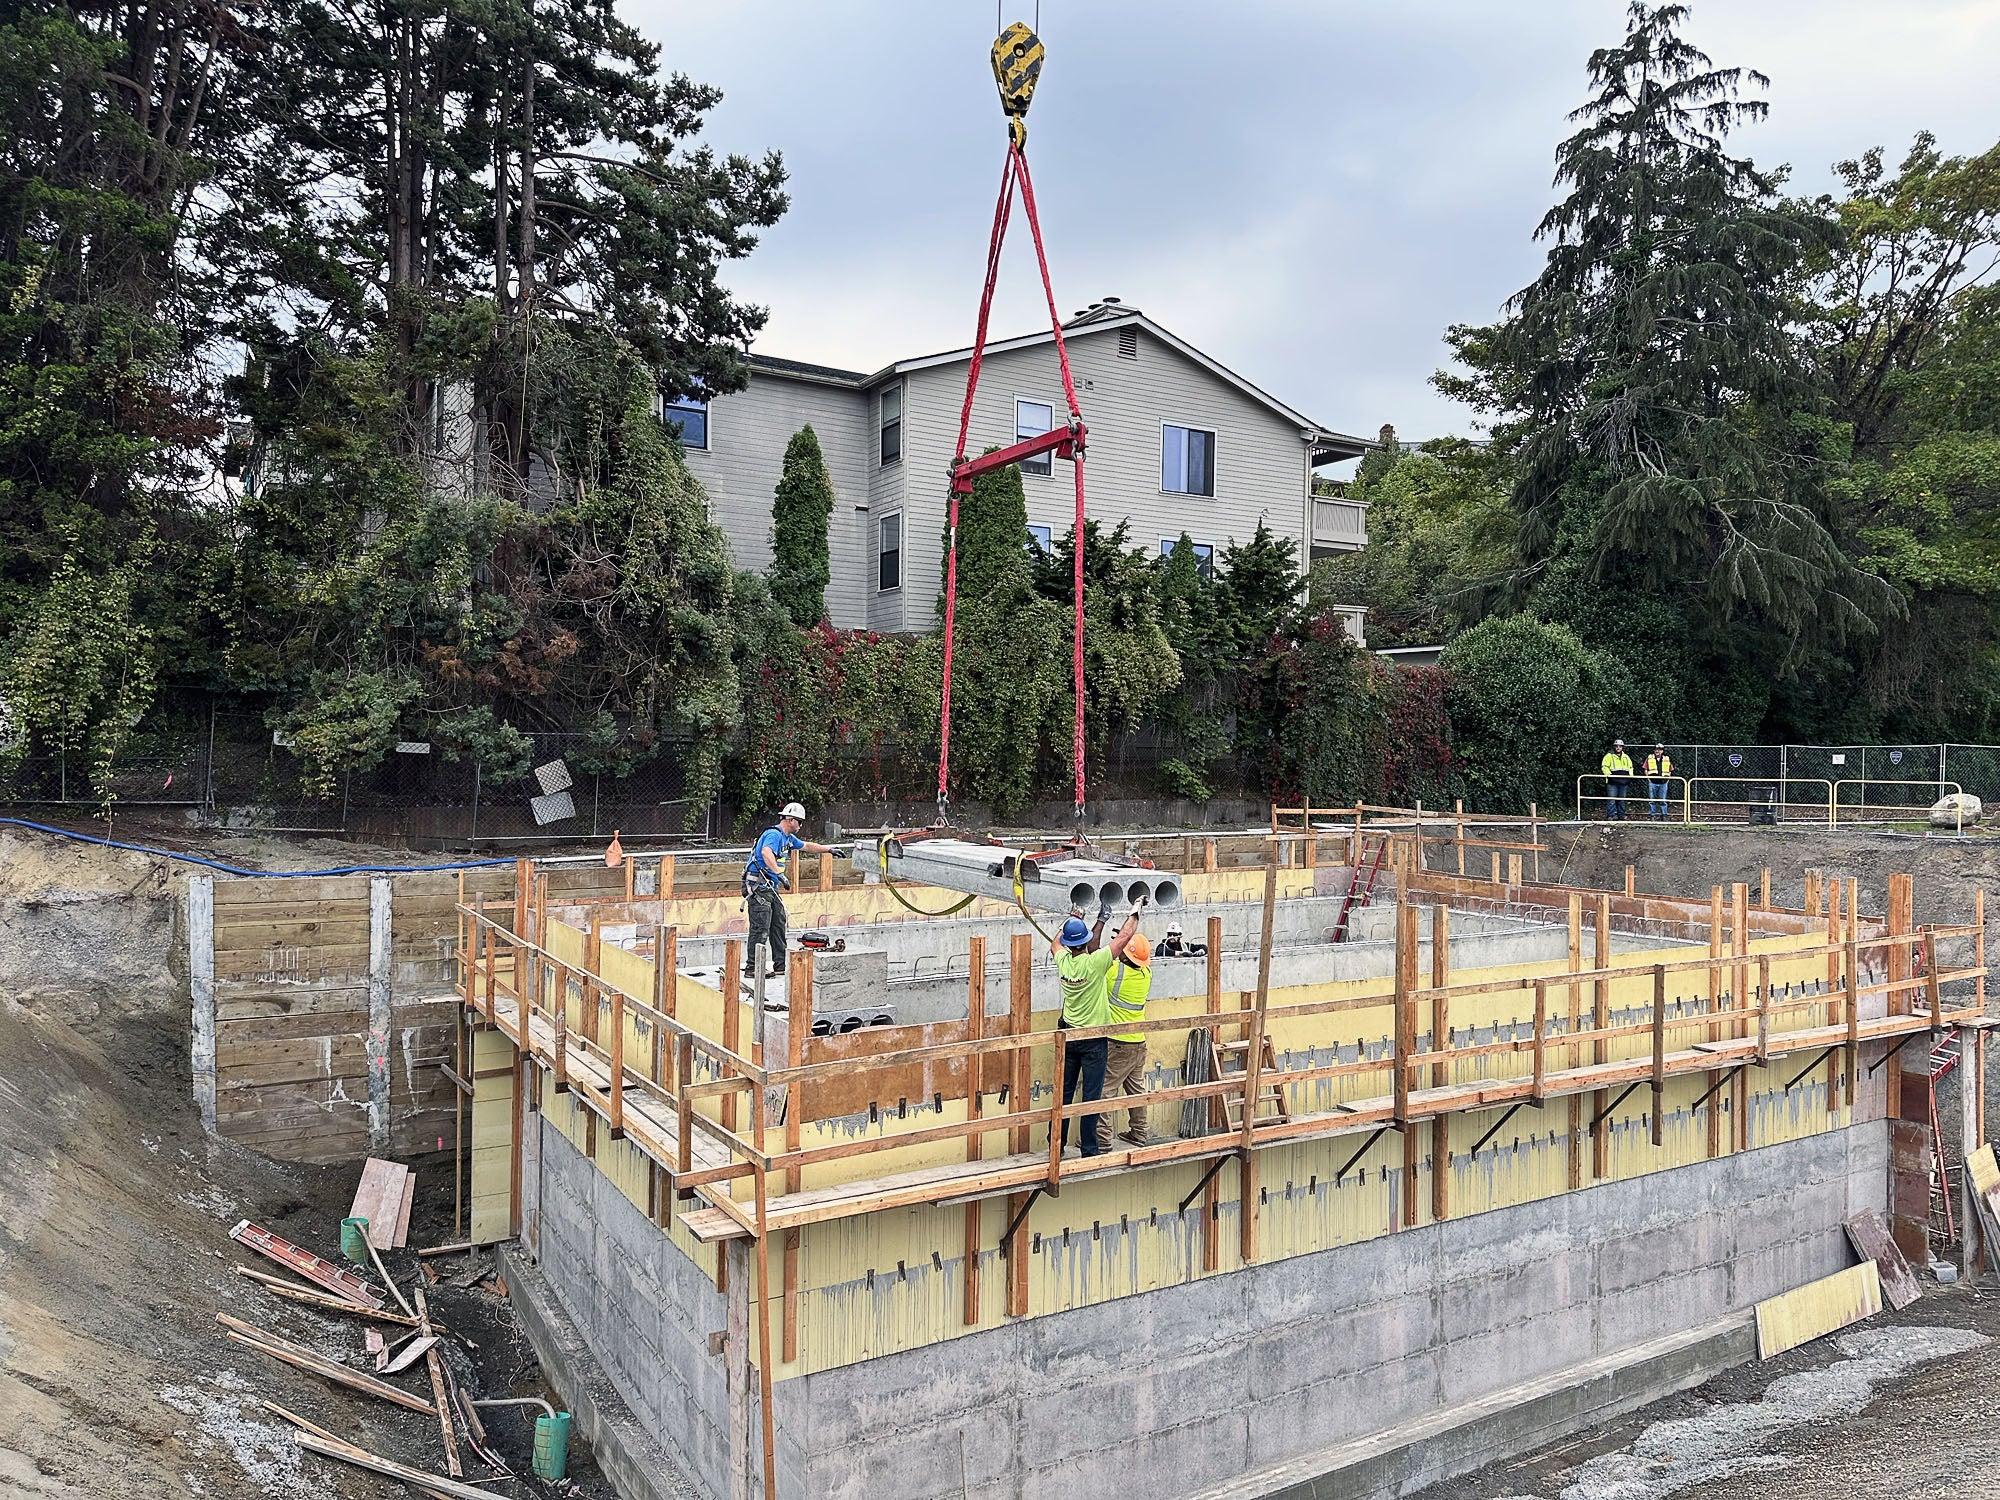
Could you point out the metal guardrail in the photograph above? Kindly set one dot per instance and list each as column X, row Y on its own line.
column 1943, row 789
column 1812, row 796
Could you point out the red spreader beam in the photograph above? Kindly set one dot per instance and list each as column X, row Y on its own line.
column 1064, row 442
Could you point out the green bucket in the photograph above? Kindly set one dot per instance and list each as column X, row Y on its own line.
column 552, row 1446
column 354, row 1240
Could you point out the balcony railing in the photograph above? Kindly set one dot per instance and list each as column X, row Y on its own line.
column 1339, row 523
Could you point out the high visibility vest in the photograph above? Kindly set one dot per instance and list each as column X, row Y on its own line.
column 1659, row 767
column 1085, row 978
column 1617, row 764
column 1129, row 989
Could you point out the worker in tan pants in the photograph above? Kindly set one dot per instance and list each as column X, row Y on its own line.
column 1125, row 1062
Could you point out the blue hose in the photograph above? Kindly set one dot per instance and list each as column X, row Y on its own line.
column 216, row 864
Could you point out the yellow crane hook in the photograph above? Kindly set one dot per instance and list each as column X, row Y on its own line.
column 1017, row 65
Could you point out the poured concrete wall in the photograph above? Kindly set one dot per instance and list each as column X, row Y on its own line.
column 1168, row 1392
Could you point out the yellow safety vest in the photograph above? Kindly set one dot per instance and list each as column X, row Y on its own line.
column 1659, row 767
column 1129, row 989
column 1617, row 765
column 1085, row 977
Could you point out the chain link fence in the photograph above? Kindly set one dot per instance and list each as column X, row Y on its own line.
column 229, row 770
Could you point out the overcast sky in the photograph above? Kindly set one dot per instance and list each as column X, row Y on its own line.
column 1309, row 190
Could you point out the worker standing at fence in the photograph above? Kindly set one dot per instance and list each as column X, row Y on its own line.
column 1617, row 769
column 1125, row 1058
column 1085, row 970
column 764, row 878
column 1659, row 775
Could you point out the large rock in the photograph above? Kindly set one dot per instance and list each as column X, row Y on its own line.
column 1959, row 807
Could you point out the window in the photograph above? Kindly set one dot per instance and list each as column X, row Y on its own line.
column 1187, row 460
column 1204, row 554
column 891, row 449
column 889, row 552
column 1032, row 419
column 1041, row 539
column 688, row 419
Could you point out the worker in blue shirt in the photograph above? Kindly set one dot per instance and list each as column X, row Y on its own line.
column 764, row 877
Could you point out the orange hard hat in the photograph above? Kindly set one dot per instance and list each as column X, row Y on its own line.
column 1139, row 951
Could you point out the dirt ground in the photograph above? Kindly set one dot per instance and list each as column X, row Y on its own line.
column 115, row 1381
column 1897, row 1408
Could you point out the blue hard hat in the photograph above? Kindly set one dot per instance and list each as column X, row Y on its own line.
column 1075, row 933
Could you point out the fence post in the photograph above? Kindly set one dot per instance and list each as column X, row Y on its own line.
column 473, row 837
column 208, row 771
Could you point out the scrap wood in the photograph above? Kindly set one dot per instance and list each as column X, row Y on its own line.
column 265, row 1342
column 361, row 1458
column 435, row 1366
column 427, row 1253
column 471, row 1426
column 278, row 1286
column 315, row 1268
column 410, row 1353
column 1871, row 1240
column 379, row 1198
column 374, row 1343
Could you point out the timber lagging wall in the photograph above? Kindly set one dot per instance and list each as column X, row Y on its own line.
column 323, row 1012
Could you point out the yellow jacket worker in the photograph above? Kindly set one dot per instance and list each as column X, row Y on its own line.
column 1659, row 783
column 1617, row 769
column 1125, row 1059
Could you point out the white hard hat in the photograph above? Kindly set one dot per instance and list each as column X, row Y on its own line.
column 794, row 810
column 1173, row 929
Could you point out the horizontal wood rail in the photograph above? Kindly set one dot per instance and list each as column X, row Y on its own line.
column 677, row 1101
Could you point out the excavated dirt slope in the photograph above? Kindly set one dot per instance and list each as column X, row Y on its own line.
column 115, row 1207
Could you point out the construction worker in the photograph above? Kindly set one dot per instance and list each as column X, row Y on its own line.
column 1659, row 774
column 1125, row 1058
column 1617, row 768
column 1085, row 971
column 763, row 878
column 1176, row 945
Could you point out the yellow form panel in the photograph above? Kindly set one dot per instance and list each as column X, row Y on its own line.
column 493, row 1078
column 1818, row 1308
column 894, row 1279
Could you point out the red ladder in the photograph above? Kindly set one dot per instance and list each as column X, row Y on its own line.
column 1371, row 870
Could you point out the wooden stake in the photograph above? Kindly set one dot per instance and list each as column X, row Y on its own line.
column 1020, row 1022
column 732, row 1014
column 1631, row 880
column 798, row 1030
column 1441, row 1073
column 1659, row 1053
column 975, row 1030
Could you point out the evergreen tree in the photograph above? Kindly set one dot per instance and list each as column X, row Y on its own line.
column 1260, row 587
column 800, row 513
column 1671, row 434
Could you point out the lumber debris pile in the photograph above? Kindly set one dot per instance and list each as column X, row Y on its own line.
column 398, row 1333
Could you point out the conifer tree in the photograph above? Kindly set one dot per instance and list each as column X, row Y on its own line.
column 1670, row 426
column 800, row 512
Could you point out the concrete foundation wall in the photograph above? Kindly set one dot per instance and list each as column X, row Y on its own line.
column 1170, row 1392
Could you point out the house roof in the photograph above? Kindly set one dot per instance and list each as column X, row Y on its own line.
column 798, row 369
column 1100, row 317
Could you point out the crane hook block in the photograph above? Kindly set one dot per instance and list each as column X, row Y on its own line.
column 1017, row 66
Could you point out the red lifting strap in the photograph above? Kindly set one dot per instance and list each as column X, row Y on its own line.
column 1064, row 443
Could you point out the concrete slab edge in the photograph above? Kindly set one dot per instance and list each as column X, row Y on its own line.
column 1403, row 1459
column 637, row 1467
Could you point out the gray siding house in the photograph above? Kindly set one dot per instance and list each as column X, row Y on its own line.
column 1178, row 443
